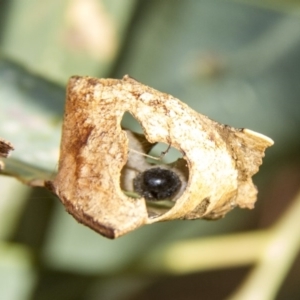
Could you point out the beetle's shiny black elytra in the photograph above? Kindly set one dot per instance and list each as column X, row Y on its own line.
column 157, row 184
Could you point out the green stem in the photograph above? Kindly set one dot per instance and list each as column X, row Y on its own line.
column 206, row 254
column 274, row 262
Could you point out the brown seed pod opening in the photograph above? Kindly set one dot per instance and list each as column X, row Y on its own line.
column 143, row 175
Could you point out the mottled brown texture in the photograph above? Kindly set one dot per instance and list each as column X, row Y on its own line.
column 94, row 150
column 5, row 148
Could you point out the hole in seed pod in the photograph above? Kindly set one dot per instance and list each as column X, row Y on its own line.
column 165, row 152
column 156, row 172
column 130, row 122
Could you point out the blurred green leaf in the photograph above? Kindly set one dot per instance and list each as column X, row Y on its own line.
column 59, row 39
column 11, row 205
column 286, row 6
column 31, row 109
column 17, row 275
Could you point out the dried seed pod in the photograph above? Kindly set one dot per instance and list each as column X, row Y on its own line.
column 96, row 162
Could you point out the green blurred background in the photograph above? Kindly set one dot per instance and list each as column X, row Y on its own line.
column 236, row 61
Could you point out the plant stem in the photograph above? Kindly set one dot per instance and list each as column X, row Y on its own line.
column 274, row 262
